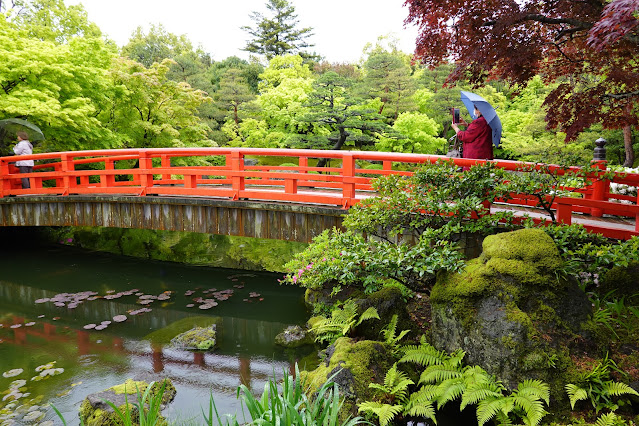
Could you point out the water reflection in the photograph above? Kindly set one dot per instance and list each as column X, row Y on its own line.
column 138, row 347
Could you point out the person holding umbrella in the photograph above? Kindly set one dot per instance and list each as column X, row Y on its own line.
column 477, row 138
column 24, row 147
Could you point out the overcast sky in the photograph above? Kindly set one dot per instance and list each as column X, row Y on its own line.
column 341, row 27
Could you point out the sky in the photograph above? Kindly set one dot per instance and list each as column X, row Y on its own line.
column 341, row 27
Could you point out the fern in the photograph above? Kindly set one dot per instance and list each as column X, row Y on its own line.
column 609, row 419
column 341, row 322
column 618, row 388
column 385, row 412
column 439, row 373
column 391, row 339
column 575, row 393
column 424, row 354
column 395, row 386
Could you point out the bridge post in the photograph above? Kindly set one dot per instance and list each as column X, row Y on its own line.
column 108, row 180
column 67, row 166
column 600, row 187
column 237, row 180
column 146, row 174
column 5, row 184
column 348, row 182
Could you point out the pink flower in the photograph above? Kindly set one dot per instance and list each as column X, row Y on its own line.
column 70, row 240
column 294, row 279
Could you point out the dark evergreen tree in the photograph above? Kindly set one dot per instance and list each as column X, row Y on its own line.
column 278, row 35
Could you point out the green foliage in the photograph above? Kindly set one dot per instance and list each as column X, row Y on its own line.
column 342, row 321
column 598, row 387
column 291, row 407
column 420, row 135
column 350, row 259
column 391, row 338
column 445, row 379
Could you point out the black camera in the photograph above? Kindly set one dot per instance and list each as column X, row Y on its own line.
column 455, row 113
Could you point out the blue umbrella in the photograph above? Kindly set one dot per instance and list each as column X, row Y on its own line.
column 471, row 100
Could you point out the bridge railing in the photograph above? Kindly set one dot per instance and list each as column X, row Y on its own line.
column 294, row 177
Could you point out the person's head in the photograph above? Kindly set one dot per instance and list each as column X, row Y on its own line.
column 22, row 136
column 477, row 111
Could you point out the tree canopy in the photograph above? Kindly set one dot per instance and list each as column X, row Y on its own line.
column 278, row 34
column 587, row 48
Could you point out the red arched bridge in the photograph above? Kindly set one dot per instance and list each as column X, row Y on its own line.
column 293, row 200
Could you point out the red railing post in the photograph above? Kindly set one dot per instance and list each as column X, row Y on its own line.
column 145, row 171
column 237, row 165
column 166, row 164
column 348, row 180
column 108, row 180
column 564, row 212
column 600, row 187
column 5, row 183
column 67, row 167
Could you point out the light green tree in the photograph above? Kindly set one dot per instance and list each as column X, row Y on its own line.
column 418, row 133
column 234, row 93
column 151, row 111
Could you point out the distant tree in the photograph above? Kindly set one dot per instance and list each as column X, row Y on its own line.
column 149, row 110
column 234, row 93
column 388, row 77
column 588, row 48
column 343, row 119
column 156, row 45
column 278, row 34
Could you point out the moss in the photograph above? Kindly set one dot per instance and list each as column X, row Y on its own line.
column 198, row 338
column 164, row 335
column 530, row 245
column 365, row 361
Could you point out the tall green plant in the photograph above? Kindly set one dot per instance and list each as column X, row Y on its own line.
column 598, row 387
column 342, row 321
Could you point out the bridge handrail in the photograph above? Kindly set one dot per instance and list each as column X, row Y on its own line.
column 150, row 171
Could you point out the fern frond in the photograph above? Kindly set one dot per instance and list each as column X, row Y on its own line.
column 370, row 313
column 450, row 390
column 385, row 412
column 534, row 388
column 425, row 394
column 389, row 331
column 479, row 391
column 618, row 388
column 420, row 403
column 488, row 408
column 609, row 419
column 425, row 410
column 575, row 393
column 439, row 373
column 424, row 355
column 532, row 406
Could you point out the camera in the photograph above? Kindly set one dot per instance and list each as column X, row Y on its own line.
column 455, row 113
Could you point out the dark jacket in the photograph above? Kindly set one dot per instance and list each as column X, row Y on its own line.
column 477, row 139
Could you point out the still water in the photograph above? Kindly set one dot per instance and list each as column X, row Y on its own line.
column 35, row 331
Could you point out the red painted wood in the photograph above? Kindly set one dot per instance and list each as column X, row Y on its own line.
column 344, row 184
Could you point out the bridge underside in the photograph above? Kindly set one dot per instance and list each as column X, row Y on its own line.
column 280, row 221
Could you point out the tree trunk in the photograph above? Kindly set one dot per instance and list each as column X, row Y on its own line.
column 627, row 143
column 343, row 134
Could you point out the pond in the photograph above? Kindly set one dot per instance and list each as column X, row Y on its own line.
column 58, row 304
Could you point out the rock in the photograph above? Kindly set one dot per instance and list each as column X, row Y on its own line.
column 511, row 310
column 294, row 336
column 196, row 339
column 94, row 411
column 355, row 365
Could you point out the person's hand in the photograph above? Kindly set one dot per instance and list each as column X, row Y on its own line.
column 455, row 127
column 462, row 122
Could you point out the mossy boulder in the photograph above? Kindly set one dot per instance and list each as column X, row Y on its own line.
column 512, row 311
column 388, row 301
column 196, row 339
column 164, row 335
column 294, row 336
column 94, row 411
column 622, row 280
column 353, row 365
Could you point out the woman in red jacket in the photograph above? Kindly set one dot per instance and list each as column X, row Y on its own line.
column 477, row 139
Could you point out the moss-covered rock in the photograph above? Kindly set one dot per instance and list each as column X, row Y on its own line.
column 196, row 339
column 164, row 335
column 294, row 337
column 353, row 365
column 388, row 301
column 512, row 311
column 94, row 411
